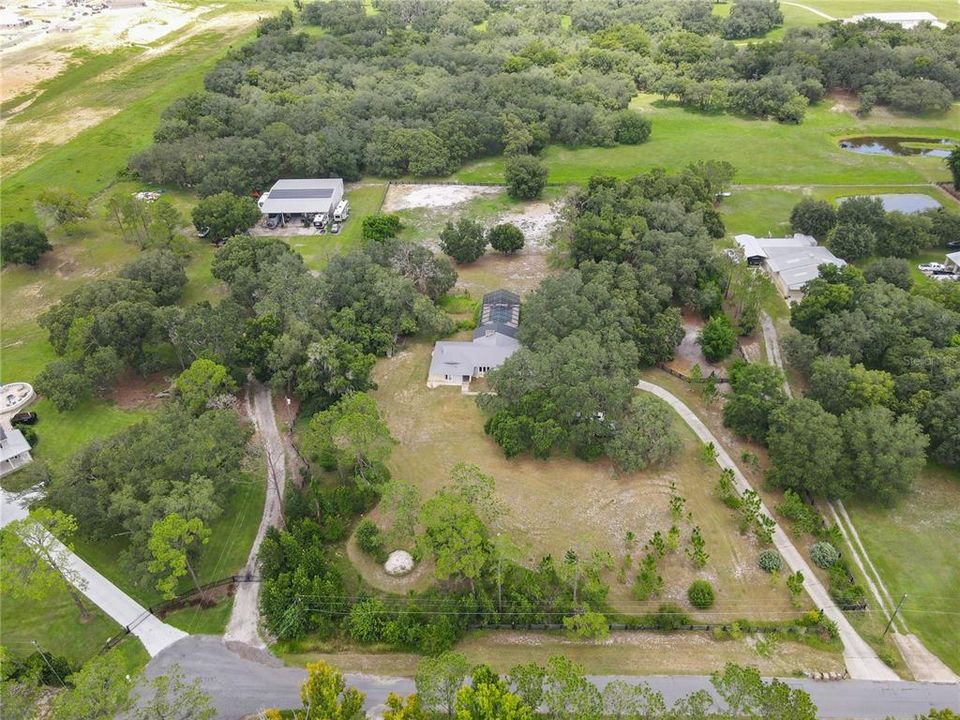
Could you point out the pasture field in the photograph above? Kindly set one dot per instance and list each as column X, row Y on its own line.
column 779, row 155
column 912, row 546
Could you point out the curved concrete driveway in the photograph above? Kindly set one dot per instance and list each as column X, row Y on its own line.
column 862, row 662
column 153, row 633
column 240, row 687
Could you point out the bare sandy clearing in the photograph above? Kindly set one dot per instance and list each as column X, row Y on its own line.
column 536, row 220
column 409, row 196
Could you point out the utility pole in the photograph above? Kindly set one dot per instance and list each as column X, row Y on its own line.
column 893, row 617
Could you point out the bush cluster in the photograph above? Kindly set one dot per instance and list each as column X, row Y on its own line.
column 824, row 554
column 770, row 561
column 700, row 594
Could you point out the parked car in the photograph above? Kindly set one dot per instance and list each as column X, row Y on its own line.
column 335, row 228
column 24, row 418
column 272, row 222
column 203, row 232
column 931, row 267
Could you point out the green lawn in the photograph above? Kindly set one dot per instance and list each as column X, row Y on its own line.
column 59, row 631
column 202, row 621
column 766, row 211
column 913, row 547
column 795, row 154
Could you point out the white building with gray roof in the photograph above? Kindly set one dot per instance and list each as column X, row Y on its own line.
column 791, row 262
column 457, row 362
column 315, row 196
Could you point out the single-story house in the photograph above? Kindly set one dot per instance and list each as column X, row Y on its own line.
column 953, row 261
column 14, row 451
column 906, row 20
column 791, row 262
column 316, row 196
column 458, row 362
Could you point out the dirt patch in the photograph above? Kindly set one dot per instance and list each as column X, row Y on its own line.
column 136, row 391
column 520, row 273
column 688, row 352
column 537, row 221
column 408, row 196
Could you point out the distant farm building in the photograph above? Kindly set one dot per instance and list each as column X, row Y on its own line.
column 311, row 197
column 906, row 20
column 791, row 262
column 459, row 362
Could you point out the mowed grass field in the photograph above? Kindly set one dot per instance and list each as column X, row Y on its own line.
column 913, row 546
column 634, row 653
column 763, row 152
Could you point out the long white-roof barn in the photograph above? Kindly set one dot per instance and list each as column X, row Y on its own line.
column 906, row 20
column 791, row 262
column 302, row 197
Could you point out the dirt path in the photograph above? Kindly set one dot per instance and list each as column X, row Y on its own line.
column 924, row 665
column 818, row 13
column 862, row 662
column 772, row 343
column 245, row 617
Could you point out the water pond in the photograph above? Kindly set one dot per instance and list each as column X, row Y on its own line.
column 904, row 202
column 898, row 145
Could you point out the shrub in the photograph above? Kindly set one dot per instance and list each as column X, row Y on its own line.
column 370, row 539
column 770, row 561
column 700, row 594
column 505, row 238
column 464, row 242
column 525, row 176
column 718, row 338
column 669, row 617
column 824, row 554
column 225, row 214
column 631, row 128
column 587, row 626
column 380, row 226
column 23, row 243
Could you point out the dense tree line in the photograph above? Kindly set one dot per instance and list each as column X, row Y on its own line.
column 108, row 325
column 859, row 227
column 420, row 88
column 175, row 462
column 640, row 246
column 883, row 371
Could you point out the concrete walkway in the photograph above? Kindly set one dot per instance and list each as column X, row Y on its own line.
column 241, row 687
column 244, row 623
column 154, row 634
column 862, row 662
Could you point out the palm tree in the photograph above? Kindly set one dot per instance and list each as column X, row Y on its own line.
column 953, row 162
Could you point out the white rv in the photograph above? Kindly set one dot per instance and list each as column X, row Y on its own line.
column 342, row 211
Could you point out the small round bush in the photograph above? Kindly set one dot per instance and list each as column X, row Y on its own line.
column 700, row 594
column 824, row 554
column 770, row 561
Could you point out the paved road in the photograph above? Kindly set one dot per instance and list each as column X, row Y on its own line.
column 241, row 687
column 245, row 615
column 154, row 634
column 862, row 662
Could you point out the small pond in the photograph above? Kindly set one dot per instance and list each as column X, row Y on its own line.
column 894, row 145
column 904, row 202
